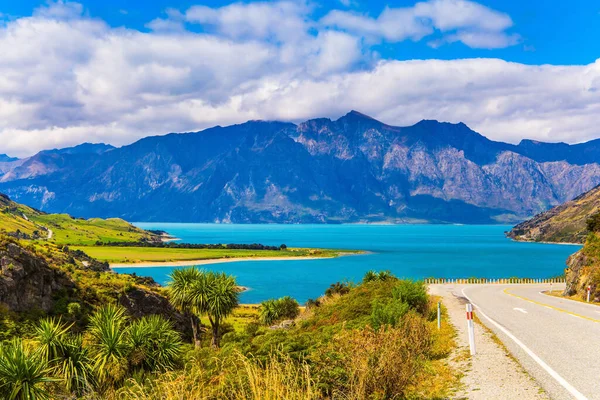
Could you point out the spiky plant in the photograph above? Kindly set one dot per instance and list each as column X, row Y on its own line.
column 49, row 335
column 155, row 345
column 24, row 372
column 268, row 311
column 109, row 345
column 74, row 366
column 370, row 276
column 222, row 297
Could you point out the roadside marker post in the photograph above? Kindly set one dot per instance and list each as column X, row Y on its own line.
column 589, row 289
column 439, row 315
column 471, row 328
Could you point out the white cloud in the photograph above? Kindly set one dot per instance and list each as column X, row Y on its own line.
column 471, row 23
column 66, row 78
column 59, row 9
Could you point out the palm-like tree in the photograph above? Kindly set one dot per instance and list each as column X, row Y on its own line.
column 184, row 283
column 109, row 346
column 23, row 372
column 199, row 292
column 222, row 297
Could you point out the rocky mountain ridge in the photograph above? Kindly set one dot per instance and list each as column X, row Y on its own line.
column 353, row 169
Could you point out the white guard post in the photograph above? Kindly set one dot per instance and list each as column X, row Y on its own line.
column 589, row 289
column 471, row 328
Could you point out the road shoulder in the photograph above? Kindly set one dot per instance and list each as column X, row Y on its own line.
column 492, row 373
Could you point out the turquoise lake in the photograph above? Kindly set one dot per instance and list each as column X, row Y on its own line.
column 410, row 251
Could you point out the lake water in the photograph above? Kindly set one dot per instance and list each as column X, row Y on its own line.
column 410, row 251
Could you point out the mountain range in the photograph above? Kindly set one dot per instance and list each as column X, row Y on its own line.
column 353, row 169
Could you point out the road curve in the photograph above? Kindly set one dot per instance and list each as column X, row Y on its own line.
column 556, row 340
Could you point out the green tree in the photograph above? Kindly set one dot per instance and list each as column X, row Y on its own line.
column 186, row 290
column 201, row 292
column 222, row 297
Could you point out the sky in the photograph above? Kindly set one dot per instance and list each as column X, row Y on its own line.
column 115, row 71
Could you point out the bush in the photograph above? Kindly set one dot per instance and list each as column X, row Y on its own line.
column 275, row 310
column 74, row 309
column 337, row 288
column 388, row 314
column 413, row 293
column 593, row 223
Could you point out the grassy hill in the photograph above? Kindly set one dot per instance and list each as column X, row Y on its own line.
column 564, row 224
column 28, row 223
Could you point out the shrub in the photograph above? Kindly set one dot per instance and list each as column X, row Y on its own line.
column 381, row 364
column 337, row 288
column 23, row 372
column 388, row 314
column 593, row 223
column 74, row 309
column 274, row 310
column 414, row 293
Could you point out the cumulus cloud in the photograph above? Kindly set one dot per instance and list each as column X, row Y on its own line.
column 66, row 78
column 471, row 23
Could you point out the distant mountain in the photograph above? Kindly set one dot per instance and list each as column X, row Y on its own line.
column 565, row 223
column 84, row 148
column 354, row 169
column 5, row 158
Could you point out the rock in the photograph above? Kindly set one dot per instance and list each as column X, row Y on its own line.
column 27, row 282
column 139, row 303
column 287, row 324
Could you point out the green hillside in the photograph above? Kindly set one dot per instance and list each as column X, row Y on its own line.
column 27, row 223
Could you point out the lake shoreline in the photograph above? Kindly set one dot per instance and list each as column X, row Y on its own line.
column 188, row 263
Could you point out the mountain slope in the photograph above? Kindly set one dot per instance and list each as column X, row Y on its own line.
column 565, row 223
column 23, row 222
column 354, row 169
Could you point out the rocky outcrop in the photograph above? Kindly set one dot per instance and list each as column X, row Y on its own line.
column 140, row 302
column 582, row 271
column 27, row 282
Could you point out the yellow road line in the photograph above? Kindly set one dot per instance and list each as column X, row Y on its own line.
column 552, row 307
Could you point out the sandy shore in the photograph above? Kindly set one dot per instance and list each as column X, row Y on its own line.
column 211, row 261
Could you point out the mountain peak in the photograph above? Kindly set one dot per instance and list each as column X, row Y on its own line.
column 6, row 158
column 353, row 114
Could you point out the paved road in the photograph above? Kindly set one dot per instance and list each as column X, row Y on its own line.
column 556, row 340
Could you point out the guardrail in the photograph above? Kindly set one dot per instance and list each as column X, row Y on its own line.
column 487, row 281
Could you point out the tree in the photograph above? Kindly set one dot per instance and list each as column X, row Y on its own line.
column 184, row 289
column 222, row 297
column 201, row 292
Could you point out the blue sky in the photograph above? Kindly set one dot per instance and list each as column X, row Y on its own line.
column 553, row 31
column 115, row 71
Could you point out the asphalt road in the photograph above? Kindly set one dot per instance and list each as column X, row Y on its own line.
column 556, row 340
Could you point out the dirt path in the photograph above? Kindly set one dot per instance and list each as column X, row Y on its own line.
column 492, row 374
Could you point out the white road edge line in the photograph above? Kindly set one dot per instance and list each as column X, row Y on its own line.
column 531, row 354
